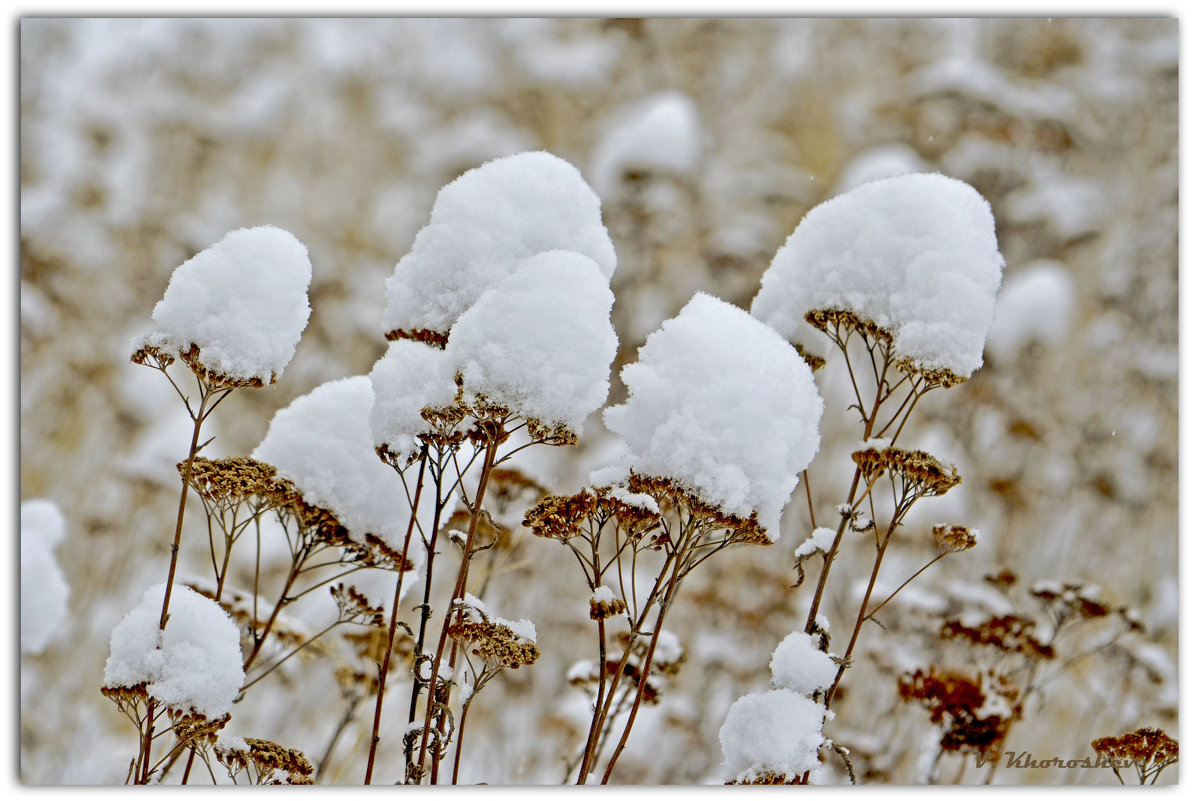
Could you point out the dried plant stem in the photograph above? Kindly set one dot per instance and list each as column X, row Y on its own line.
column 349, row 713
column 861, row 615
column 490, row 455
column 376, row 736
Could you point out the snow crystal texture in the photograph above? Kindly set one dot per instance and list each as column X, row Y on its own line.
column 482, row 225
column 722, row 405
column 799, row 665
column 410, row 377
column 45, row 592
column 243, row 301
column 195, row 664
column 540, row 342
column 324, row 444
column 778, row 731
column 916, row 254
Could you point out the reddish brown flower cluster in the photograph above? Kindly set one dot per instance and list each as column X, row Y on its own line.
column 1009, row 633
column 424, row 335
column 1150, row 750
column 237, row 480
column 957, row 701
column 922, row 473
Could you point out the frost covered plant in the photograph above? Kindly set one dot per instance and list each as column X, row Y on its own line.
column 900, row 275
column 721, row 418
column 233, row 314
column 500, row 339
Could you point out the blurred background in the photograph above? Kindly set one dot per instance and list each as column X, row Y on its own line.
column 144, row 141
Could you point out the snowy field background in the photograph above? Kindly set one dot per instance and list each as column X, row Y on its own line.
column 143, row 142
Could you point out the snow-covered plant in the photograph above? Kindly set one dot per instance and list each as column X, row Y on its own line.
column 233, row 314
column 900, row 274
column 722, row 417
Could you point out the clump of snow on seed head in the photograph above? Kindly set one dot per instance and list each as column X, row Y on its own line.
column 410, row 377
column 482, row 225
column 193, row 665
column 324, row 444
column 540, row 342
column 721, row 404
column 242, row 301
column 915, row 254
column 776, row 732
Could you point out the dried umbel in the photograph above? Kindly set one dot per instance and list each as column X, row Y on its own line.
column 922, row 474
column 230, row 482
column 703, row 515
column 950, row 538
column 1149, row 750
column 492, row 639
column 976, row 713
column 424, row 335
column 1071, row 599
column 604, row 608
column 214, row 379
column 271, row 763
column 839, row 323
column 354, row 607
column 769, row 777
column 1008, row 633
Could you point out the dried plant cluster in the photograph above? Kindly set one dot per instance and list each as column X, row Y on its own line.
column 332, row 601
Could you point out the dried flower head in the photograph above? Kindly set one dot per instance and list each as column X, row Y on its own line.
column 813, row 361
column 354, row 607
column 951, row 538
column 230, row 482
column 975, row 713
column 1009, row 633
column 424, row 335
column 214, row 379
column 603, row 605
column 709, row 518
column 1150, row 750
column 499, row 642
column 838, row 323
column 769, row 777
column 1071, row 598
column 560, row 517
column 922, row 474
column 271, row 763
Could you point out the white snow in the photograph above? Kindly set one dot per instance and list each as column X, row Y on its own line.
column 324, row 444
column 523, row 629
column 658, row 133
column 638, row 499
column 1034, row 305
column 779, row 730
column 483, row 224
column 45, row 592
column 916, row 254
column 242, row 301
column 195, row 664
column 410, row 377
column 820, row 541
column 540, row 342
column 799, row 665
column 603, row 594
column 722, row 405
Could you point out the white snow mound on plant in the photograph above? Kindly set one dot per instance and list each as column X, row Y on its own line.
column 540, row 342
column 324, row 444
column 243, row 301
column 45, row 592
column 917, row 254
column 195, row 664
column 410, row 377
column 724, row 406
column 659, row 133
column 481, row 227
column 797, row 664
column 1034, row 305
column 779, row 730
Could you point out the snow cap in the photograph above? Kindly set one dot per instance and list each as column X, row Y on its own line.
column 194, row 664
column 721, row 404
column 324, row 444
column 482, row 225
column 799, row 665
column 779, row 731
column 915, row 254
column 540, row 342
column 410, row 377
column 242, row 301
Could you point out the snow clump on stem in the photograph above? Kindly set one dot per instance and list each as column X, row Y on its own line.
column 191, row 666
column 721, row 404
column 483, row 224
column 916, row 255
column 241, row 302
